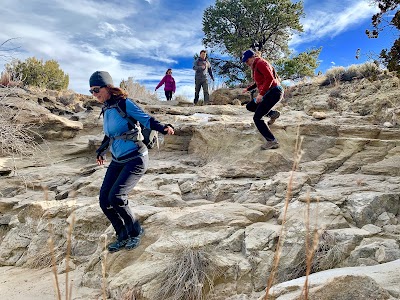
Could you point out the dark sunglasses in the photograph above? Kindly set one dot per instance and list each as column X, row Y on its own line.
column 96, row 89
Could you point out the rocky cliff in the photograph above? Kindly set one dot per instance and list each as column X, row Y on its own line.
column 212, row 202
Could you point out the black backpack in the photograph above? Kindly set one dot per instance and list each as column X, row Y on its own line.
column 150, row 137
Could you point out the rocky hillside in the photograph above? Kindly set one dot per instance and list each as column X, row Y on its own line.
column 218, row 212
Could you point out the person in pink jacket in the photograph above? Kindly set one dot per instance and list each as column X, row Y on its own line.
column 169, row 84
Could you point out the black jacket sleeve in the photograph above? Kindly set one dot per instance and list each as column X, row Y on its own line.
column 104, row 146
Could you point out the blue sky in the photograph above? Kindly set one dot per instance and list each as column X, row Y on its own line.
column 142, row 38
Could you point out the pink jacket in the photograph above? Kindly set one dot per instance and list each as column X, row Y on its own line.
column 169, row 82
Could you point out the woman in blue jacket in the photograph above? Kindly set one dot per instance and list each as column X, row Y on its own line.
column 129, row 158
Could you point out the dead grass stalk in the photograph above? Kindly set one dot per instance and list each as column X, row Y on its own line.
column 103, row 272
column 68, row 285
column 311, row 247
column 55, row 259
column 54, row 264
column 278, row 251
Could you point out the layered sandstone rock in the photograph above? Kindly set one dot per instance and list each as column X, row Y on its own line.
column 211, row 188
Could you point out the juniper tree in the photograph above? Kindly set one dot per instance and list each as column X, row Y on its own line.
column 232, row 26
column 387, row 9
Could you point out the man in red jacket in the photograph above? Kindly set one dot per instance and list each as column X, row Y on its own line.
column 270, row 92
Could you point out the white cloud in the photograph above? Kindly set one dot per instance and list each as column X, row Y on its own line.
column 137, row 39
column 96, row 9
column 331, row 19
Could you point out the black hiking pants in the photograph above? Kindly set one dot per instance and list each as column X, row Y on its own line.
column 270, row 99
column 201, row 83
column 168, row 95
column 119, row 180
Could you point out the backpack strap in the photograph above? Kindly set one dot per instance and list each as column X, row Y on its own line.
column 121, row 108
column 130, row 135
column 137, row 132
column 134, row 133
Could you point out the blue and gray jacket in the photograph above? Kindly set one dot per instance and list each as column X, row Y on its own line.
column 115, row 126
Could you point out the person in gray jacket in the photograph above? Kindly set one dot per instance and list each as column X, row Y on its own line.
column 202, row 66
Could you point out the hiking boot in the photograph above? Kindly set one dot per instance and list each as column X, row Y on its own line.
column 116, row 246
column 274, row 115
column 134, row 242
column 270, row 145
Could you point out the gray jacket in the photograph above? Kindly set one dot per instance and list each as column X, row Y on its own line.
column 201, row 74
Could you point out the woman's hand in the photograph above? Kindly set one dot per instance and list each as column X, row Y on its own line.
column 259, row 98
column 100, row 160
column 169, row 130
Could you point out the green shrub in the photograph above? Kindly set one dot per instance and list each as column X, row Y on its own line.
column 37, row 73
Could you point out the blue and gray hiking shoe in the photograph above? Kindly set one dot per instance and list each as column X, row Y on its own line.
column 270, row 145
column 134, row 242
column 117, row 245
column 273, row 115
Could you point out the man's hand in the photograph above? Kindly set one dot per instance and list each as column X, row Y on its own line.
column 259, row 98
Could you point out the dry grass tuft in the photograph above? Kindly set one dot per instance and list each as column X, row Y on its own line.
column 335, row 75
column 8, row 80
column 3, row 231
column 131, row 294
column 45, row 259
column 16, row 138
column 181, row 98
column 137, row 91
column 189, row 276
column 322, row 252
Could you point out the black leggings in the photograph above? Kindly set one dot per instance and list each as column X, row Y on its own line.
column 168, row 94
column 264, row 108
column 119, row 180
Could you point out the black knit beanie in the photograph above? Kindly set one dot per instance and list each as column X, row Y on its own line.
column 100, row 78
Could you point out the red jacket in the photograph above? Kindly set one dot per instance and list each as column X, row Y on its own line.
column 263, row 76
